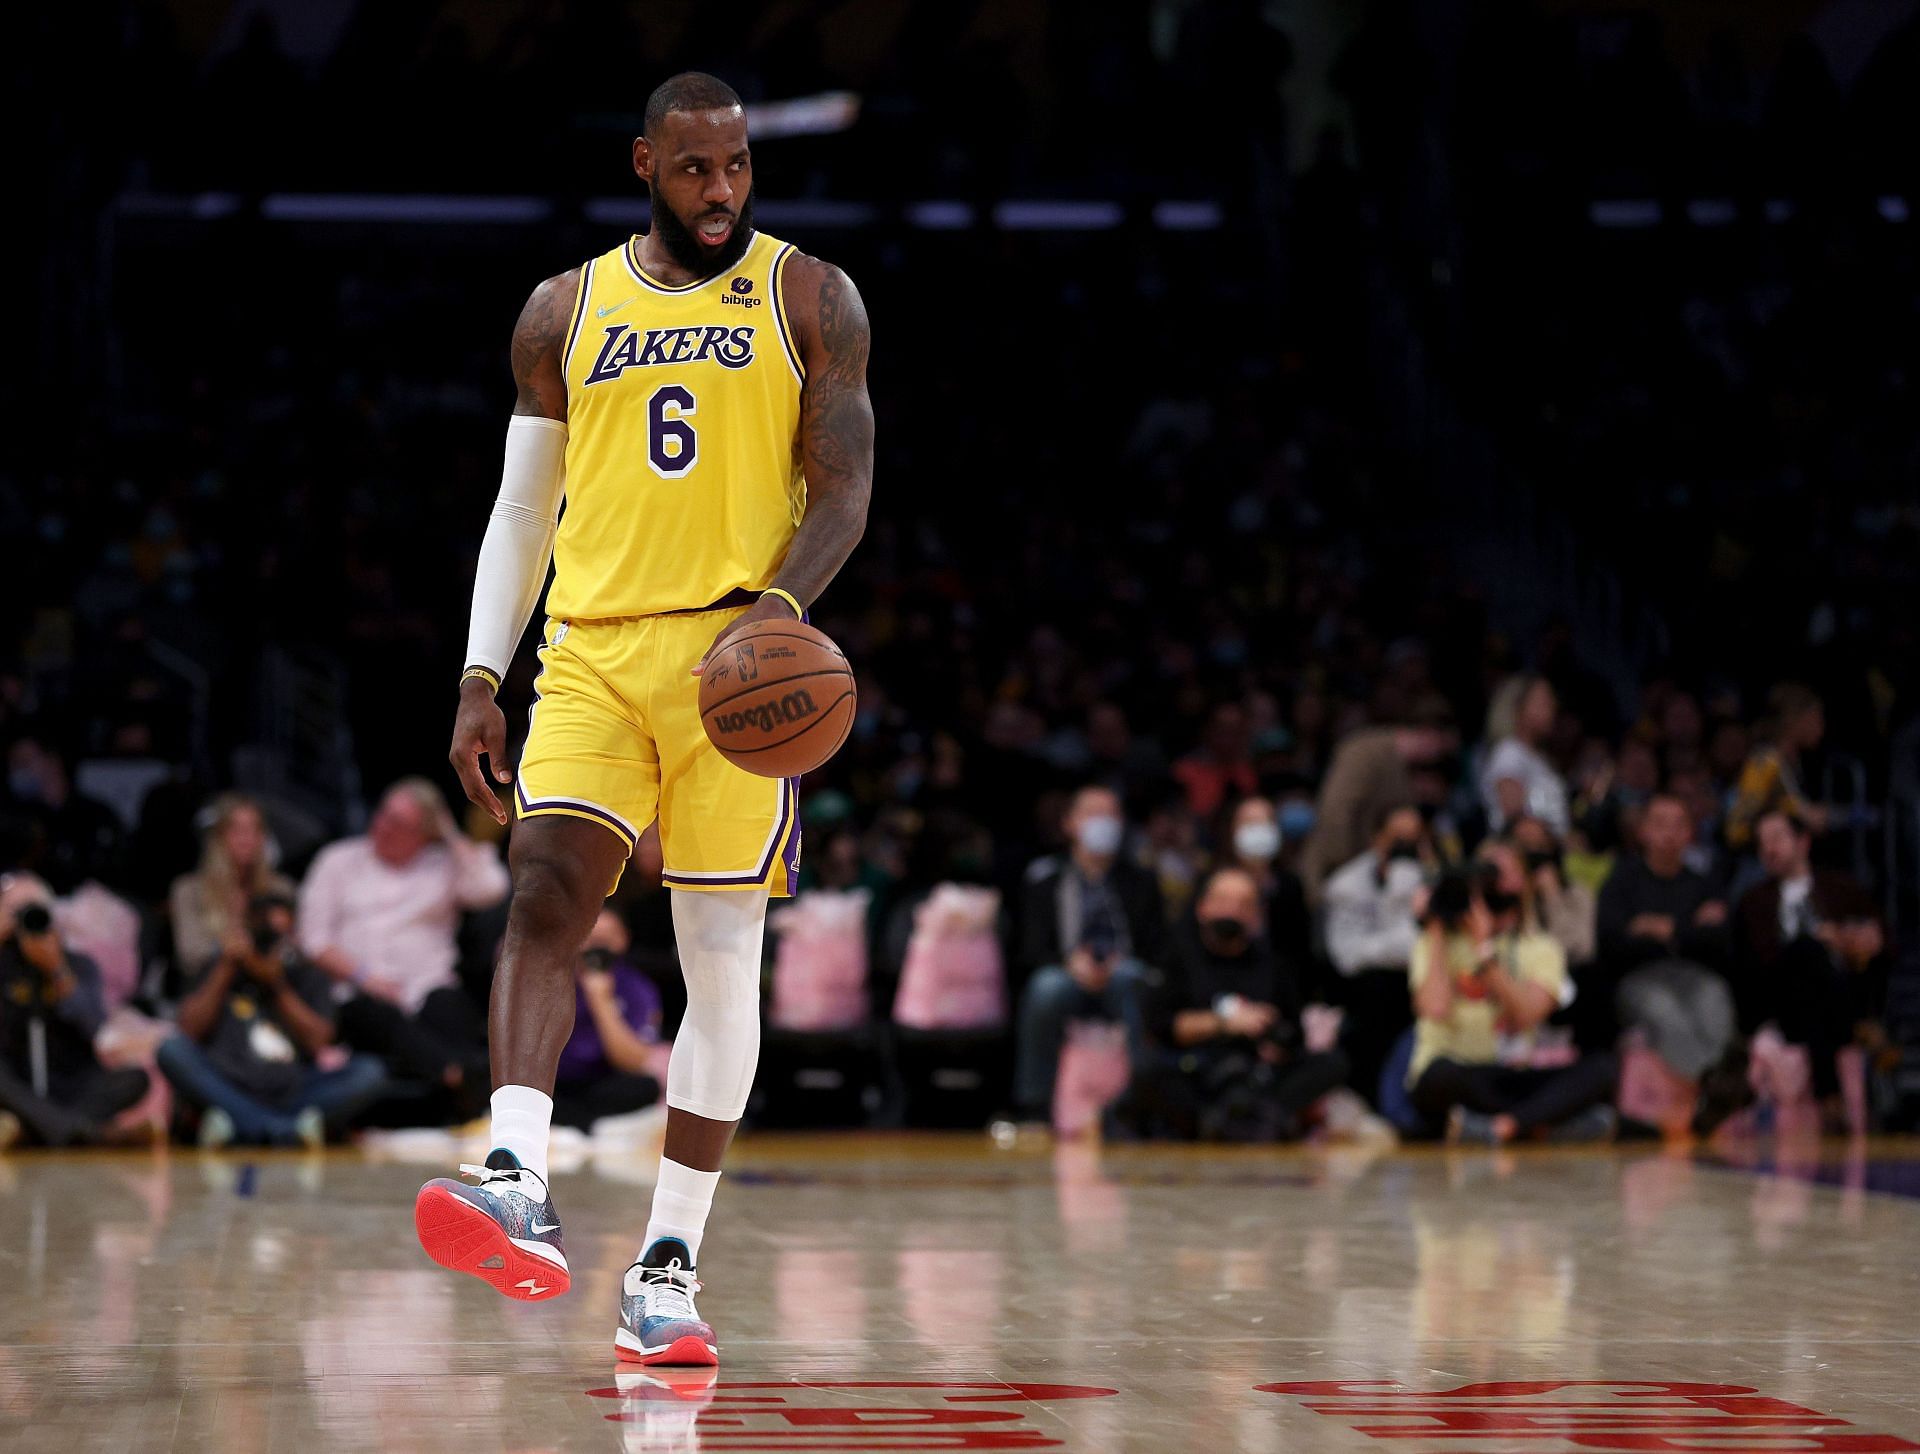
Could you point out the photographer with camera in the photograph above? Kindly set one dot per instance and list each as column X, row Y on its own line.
column 251, row 1033
column 51, row 1007
column 1484, row 980
column 615, row 1061
column 1233, row 1064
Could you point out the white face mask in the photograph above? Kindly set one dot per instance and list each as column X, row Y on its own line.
column 1100, row 835
column 1257, row 841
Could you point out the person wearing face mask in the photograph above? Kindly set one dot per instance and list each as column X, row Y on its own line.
column 1232, row 1065
column 1254, row 836
column 1484, row 980
column 1371, row 922
column 1091, row 921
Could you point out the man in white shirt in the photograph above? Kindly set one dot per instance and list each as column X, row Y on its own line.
column 1371, row 927
column 379, row 915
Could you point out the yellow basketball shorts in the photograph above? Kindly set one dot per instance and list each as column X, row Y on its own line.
column 615, row 738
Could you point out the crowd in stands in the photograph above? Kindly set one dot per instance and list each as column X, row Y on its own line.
column 1188, row 704
column 1520, row 919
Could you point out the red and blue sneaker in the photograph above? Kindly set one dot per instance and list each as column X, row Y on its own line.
column 658, row 1322
column 504, row 1231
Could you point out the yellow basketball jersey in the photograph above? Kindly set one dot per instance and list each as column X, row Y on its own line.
column 684, row 477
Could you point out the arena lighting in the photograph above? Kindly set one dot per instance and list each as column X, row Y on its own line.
column 348, row 207
column 820, row 115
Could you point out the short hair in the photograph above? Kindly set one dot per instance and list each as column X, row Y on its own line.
column 1796, row 825
column 688, row 91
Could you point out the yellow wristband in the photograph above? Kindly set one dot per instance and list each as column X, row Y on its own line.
column 789, row 598
column 482, row 674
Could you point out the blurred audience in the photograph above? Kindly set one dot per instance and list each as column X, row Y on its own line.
column 1484, row 983
column 615, row 1061
column 1371, row 910
column 1812, row 951
column 51, row 1007
column 1232, row 1062
column 208, row 906
column 1517, row 780
column 252, row 1030
column 378, row 915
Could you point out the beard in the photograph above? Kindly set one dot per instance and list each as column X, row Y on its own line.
column 695, row 256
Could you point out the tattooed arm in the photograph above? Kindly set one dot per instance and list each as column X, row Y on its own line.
column 836, row 424
column 539, row 339
column 836, row 436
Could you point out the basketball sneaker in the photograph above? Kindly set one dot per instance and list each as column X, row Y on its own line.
column 658, row 1322
column 504, row 1231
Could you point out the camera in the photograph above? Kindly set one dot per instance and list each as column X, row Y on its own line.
column 261, row 929
column 597, row 958
column 34, row 920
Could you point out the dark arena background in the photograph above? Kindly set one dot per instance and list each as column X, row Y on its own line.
column 1373, row 892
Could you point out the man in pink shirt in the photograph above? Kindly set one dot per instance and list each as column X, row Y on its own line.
column 379, row 914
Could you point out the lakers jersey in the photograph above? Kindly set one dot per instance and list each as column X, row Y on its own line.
column 683, row 465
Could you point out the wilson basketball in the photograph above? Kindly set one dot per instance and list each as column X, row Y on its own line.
column 778, row 699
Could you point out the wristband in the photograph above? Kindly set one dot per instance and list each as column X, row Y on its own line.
column 1227, row 1006
column 480, row 673
column 798, row 613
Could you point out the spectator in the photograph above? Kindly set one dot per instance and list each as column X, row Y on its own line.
column 1222, row 767
column 51, row 1007
column 615, row 1061
column 1373, row 771
column 1253, row 846
column 1090, row 886
column 1235, row 1066
column 1371, row 929
column 49, row 828
column 1770, row 779
column 252, row 1031
column 1117, row 758
column 1483, row 983
column 1811, row 951
column 1091, row 924
column 378, row 914
column 209, row 905
column 1653, row 906
column 1565, row 909
column 1517, row 780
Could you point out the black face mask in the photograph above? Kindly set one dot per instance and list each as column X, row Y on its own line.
column 1499, row 901
column 1407, row 848
column 1542, row 858
column 687, row 250
column 265, row 937
column 1229, row 934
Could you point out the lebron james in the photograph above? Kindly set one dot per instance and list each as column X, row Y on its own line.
column 698, row 398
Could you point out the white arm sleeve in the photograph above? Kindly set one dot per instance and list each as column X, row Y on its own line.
column 519, row 540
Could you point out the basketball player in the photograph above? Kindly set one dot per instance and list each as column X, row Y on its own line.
column 699, row 397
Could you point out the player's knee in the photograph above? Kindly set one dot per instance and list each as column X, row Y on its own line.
column 552, row 897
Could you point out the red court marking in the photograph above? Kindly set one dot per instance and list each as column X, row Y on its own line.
column 1624, row 1416
column 807, row 1415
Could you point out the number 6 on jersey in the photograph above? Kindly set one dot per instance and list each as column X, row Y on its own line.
column 671, row 444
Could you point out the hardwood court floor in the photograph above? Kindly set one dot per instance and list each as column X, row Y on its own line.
column 931, row 1293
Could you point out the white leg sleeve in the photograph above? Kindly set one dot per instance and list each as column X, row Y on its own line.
column 719, row 936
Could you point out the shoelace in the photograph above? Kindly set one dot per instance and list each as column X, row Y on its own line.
column 669, row 1292
column 487, row 1175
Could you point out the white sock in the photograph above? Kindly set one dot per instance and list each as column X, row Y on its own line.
column 521, row 1119
column 681, row 1201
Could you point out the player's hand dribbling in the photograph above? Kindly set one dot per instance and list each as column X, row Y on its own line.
column 767, row 608
column 480, row 727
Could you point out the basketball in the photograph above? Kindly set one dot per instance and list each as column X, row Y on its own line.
column 778, row 699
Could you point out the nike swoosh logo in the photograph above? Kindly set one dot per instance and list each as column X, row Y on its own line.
column 540, row 1230
column 613, row 307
